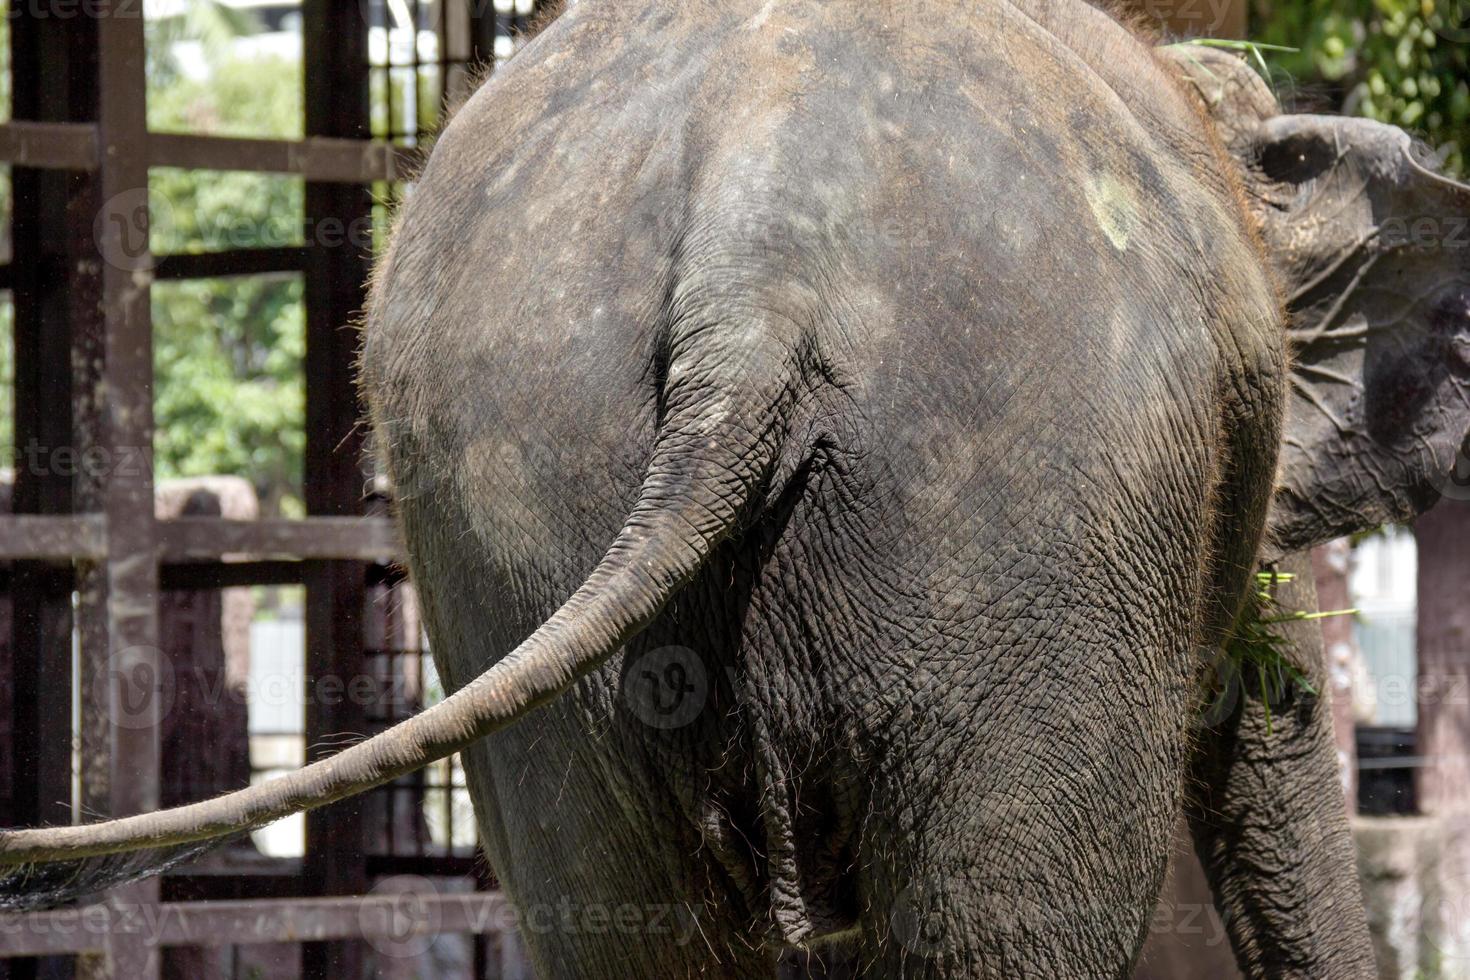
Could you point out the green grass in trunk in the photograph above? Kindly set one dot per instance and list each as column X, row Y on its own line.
column 1257, row 652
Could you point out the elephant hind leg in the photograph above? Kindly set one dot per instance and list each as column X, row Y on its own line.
column 624, row 923
column 1016, row 873
column 607, row 893
column 958, row 926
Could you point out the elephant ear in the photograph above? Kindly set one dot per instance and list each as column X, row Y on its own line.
column 1372, row 247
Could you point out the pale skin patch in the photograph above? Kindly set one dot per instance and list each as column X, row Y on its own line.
column 1114, row 208
column 759, row 20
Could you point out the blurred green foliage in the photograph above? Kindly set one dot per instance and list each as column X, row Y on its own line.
column 1405, row 62
column 211, row 25
column 228, row 353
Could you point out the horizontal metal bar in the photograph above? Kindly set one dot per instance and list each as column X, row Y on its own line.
column 423, row 865
column 231, row 923
column 185, row 539
column 318, row 158
column 52, row 537
column 205, row 539
column 1403, row 761
column 54, row 578
column 231, row 885
column 49, row 146
column 197, row 575
column 73, row 146
column 235, row 262
column 53, row 933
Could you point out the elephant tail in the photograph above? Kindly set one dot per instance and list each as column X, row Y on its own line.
column 712, row 459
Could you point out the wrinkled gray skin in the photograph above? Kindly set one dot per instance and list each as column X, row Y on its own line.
column 957, row 304
column 921, row 366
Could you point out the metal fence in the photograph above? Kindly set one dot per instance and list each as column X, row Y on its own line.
column 84, row 554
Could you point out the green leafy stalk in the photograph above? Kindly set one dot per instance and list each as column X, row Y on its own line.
column 1254, row 47
column 1224, row 42
column 1255, row 646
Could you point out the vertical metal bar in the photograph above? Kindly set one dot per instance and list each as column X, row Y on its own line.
column 336, row 56
column 51, row 233
column 487, row 947
column 441, row 61
column 56, row 285
column 484, row 23
column 123, row 676
column 390, row 80
column 415, row 132
column 455, row 44
column 449, row 806
column 421, row 793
